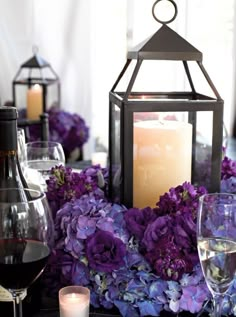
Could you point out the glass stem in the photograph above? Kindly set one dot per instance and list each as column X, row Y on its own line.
column 217, row 300
column 17, row 304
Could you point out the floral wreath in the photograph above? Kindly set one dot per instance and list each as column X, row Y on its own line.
column 139, row 261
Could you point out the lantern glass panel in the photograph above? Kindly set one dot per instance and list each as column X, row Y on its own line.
column 115, row 155
column 203, row 149
column 20, row 96
column 52, row 97
column 164, row 75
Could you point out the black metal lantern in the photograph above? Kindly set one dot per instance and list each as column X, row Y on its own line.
column 154, row 138
column 36, row 86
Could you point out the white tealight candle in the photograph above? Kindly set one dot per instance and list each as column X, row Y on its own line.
column 74, row 301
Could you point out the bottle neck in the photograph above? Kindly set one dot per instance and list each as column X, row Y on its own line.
column 8, row 135
column 10, row 171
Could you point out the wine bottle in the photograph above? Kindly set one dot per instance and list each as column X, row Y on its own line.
column 11, row 176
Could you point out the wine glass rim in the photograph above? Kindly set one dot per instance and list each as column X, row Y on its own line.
column 46, row 143
column 219, row 195
column 39, row 195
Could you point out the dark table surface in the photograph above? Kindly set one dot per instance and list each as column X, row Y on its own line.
column 48, row 313
column 50, row 309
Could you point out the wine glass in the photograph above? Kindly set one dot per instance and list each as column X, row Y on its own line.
column 216, row 240
column 26, row 239
column 41, row 156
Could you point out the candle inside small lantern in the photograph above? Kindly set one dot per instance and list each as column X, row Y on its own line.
column 34, row 102
column 162, row 159
column 74, row 301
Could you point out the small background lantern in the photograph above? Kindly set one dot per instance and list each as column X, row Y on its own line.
column 36, row 86
column 155, row 137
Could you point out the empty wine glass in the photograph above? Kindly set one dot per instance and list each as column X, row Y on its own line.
column 26, row 233
column 216, row 239
column 41, row 156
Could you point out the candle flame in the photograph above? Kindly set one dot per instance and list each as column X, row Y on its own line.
column 73, row 295
column 36, row 87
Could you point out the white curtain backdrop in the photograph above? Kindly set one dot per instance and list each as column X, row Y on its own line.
column 83, row 40
column 86, row 43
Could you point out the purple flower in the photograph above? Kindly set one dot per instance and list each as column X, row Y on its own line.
column 137, row 220
column 64, row 185
column 105, row 252
column 85, row 227
column 67, row 128
column 185, row 236
column 193, row 298
column 181, row 198
column 228, row 185
column 172, row 266
column 155, row 230
column 228, row 168
column 140, row 260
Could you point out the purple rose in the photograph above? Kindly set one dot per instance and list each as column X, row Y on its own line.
column 137, row 220
column 185, row 237
column 185, row 231
column 105, row 252
column 160, row 227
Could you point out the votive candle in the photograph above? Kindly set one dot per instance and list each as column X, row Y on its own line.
column 74, row 301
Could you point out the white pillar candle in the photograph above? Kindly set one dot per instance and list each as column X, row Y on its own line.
column 162, row 159
column 34, row 102
column 74, row 301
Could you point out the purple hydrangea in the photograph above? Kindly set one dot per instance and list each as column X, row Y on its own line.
column 67, row 128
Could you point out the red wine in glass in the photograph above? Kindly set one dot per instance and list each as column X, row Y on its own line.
column 26, row 239
column 21, row 262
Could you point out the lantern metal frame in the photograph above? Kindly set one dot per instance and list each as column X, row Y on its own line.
column 42, row 66
column 165, row 44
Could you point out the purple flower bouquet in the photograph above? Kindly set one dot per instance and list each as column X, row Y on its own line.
column 140, row 261
column 67, row 128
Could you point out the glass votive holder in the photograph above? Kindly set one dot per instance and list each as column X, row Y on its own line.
column 74, row 301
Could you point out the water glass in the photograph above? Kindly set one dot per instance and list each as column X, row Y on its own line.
column 41, row 157
column 216, row 238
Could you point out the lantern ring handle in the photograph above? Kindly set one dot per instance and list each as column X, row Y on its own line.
column 168, row 21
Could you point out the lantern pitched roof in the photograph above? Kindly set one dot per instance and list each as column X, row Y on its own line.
column 165, row 44
column 35, row 62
